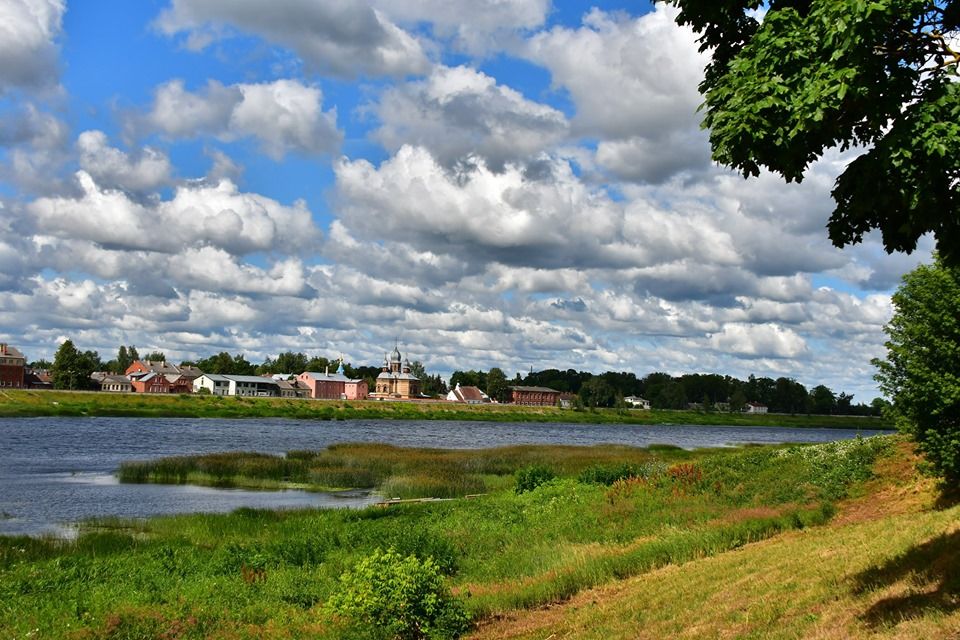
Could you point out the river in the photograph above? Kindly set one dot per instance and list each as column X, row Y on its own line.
column 58, row 471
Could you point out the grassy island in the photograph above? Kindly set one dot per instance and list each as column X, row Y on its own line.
column 601, row 535
column 73, row 403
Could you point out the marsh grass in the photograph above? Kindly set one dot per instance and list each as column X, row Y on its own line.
column 394, row 471
column 267, row 573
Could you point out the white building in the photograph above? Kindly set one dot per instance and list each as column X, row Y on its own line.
column 755, row 407
column 230, row 385
column 637, row 402
column 214, row 383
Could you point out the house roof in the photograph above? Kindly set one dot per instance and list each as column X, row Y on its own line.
column 215, row 377
column 384, row 375
column 535, row 389
column 190, row 372
column 160, row 366
column 468, row 394
column 10, row 352
column 335, row 377
column 251, row 379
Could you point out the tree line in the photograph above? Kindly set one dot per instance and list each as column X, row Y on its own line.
column 708, row 391
column 71, row 369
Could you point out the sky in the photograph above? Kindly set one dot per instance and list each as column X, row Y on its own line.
column 511, row 183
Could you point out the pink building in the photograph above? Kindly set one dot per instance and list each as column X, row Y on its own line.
column 334, row 386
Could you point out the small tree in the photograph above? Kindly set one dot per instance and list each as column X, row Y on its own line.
column 398, row 597
column 497, row 387
column 71, row 369
column 921, row 372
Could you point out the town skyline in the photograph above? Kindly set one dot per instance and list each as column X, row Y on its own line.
column 531, row 190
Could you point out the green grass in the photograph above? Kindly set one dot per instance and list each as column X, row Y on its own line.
column 260, row 573
column 18, row 403
column 887, row 567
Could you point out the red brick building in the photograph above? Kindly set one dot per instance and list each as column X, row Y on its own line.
column 534, row 396
column 151, row 383
column 12, row 365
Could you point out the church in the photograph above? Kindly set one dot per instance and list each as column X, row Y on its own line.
column 395, row 379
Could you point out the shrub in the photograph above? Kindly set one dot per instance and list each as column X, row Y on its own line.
column 387, row 595
column 608, row 473
column 529, row 478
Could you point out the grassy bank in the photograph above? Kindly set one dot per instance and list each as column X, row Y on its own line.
column 268, row 574
column 886, row 566
column 70, row 403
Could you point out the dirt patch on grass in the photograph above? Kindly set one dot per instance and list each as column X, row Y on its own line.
column 754, row 513
column 897, row 488
column 580, row 552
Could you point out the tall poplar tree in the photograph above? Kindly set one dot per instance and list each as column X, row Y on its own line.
column 921, row 373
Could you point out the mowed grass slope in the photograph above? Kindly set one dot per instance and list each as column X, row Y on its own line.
column 20, row 403
column 887, row 566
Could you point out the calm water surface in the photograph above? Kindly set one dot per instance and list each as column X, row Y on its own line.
column 58, row 471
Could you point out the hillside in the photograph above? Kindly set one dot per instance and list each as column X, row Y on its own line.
column 888, row 565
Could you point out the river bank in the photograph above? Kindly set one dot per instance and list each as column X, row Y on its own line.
column 19, row 403
column 60, row 470
column 531, row 541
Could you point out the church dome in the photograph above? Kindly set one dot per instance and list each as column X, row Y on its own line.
column 396, row 355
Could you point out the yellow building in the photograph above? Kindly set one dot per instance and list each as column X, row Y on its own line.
column 395, row 379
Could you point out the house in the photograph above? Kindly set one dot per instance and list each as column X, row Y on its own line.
column 637, row 402
column 469, row 395
column 37, row 379
column 180, row 377
column 179, row 383
column 292, row 388
column 333, row 386
column 534, row 396
column 150, row 383
column 12, row 367
column 755, row 407
column 395, row 379
column 252, row 386
column 111, row 382
column 215, row 384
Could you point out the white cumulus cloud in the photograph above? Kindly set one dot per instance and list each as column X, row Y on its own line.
column 340, row 37
column 284, row 115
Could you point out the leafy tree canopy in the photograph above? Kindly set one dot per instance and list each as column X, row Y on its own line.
column 819, row 74
column 921, row 372
column 71, row 368
column 224, row 363
column 497, row 387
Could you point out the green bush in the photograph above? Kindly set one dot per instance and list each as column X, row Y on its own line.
column 608, row 473
column 387, row 595
column 529, row 478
